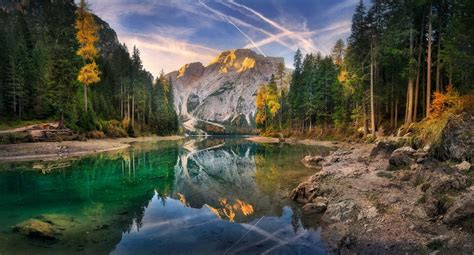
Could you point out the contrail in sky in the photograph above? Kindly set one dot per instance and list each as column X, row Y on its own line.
column 233, row 24
column 308, row 44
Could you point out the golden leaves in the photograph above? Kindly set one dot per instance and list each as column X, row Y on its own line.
column 89, row 74
column 86, row 35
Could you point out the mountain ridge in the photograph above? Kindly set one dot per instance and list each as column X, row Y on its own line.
column 223, row 92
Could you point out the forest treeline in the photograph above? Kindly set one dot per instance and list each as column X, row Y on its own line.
column 400, row 56
column 58, row 61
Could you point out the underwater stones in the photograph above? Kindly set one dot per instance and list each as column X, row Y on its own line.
column 34, row 228
column 312, row 161
column 45, row 227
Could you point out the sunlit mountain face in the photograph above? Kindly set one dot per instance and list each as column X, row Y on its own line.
column 176, row 32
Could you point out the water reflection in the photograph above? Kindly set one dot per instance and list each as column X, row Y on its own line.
column 200, row 196
column 173, row 228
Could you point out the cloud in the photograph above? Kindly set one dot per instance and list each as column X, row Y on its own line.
column 168, row 54
column 304, row 42
column 226, row 18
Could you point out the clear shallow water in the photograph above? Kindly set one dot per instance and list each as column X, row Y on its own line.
column 216, row 196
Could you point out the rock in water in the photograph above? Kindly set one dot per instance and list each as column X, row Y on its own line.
column 35, row 228
column 45, row 227
column 312, row 161
column 223, row 92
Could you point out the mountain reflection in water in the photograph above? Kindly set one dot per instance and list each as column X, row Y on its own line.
column 198, row 196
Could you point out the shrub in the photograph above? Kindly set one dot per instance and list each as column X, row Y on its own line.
column 95, row 134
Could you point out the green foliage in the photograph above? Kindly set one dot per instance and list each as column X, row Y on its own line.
column 39, row 69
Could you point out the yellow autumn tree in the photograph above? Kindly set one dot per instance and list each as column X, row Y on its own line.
column 273, row 100
column 86, row 35
column 261, row 103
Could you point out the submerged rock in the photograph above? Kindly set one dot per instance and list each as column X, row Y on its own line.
column 34, row 228
column 312, row 161
column 46, row 227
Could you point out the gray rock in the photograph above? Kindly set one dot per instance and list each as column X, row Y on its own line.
column 341, row 211
column 457, row 141
column 368, row 213
column 463, row 166
column 402, row 157
column 315, row 207
column 312, row 161
column 461, row 210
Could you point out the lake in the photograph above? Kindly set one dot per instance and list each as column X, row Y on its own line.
column 196, row 196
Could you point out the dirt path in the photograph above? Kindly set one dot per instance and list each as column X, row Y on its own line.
column 58, row 150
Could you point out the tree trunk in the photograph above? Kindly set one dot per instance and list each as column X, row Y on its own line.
column 372, row 108
column 121, row 100
column 133, row 109
column 85, row 97
column 128, row 107
column 428, row 66
column 438, row 65
column 409, row 116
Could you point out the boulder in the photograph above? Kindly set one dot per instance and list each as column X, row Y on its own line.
column 463, row 166
column 402, row 157
column 341, row 211
column 45, row 227
column 443, row 183
column 384, row 148
column 312, row 161
column 34, row 228
column 457, row 140
column 461, row 210
column 317, row 207
column 368, row 213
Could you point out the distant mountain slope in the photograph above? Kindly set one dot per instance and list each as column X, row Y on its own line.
column 220, row 97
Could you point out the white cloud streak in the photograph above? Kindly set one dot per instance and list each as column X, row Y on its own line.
column 224, row 17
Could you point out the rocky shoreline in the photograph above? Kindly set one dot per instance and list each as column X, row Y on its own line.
column 388, row 198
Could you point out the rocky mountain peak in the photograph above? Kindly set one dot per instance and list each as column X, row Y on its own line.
column 239, row 60
column 221, row 96
column 191, row 71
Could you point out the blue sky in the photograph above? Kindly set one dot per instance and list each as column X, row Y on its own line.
column 171, row 33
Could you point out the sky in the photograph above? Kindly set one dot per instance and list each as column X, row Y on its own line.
column 171, row 33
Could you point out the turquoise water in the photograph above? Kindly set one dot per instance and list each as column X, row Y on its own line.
column 215, row 196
